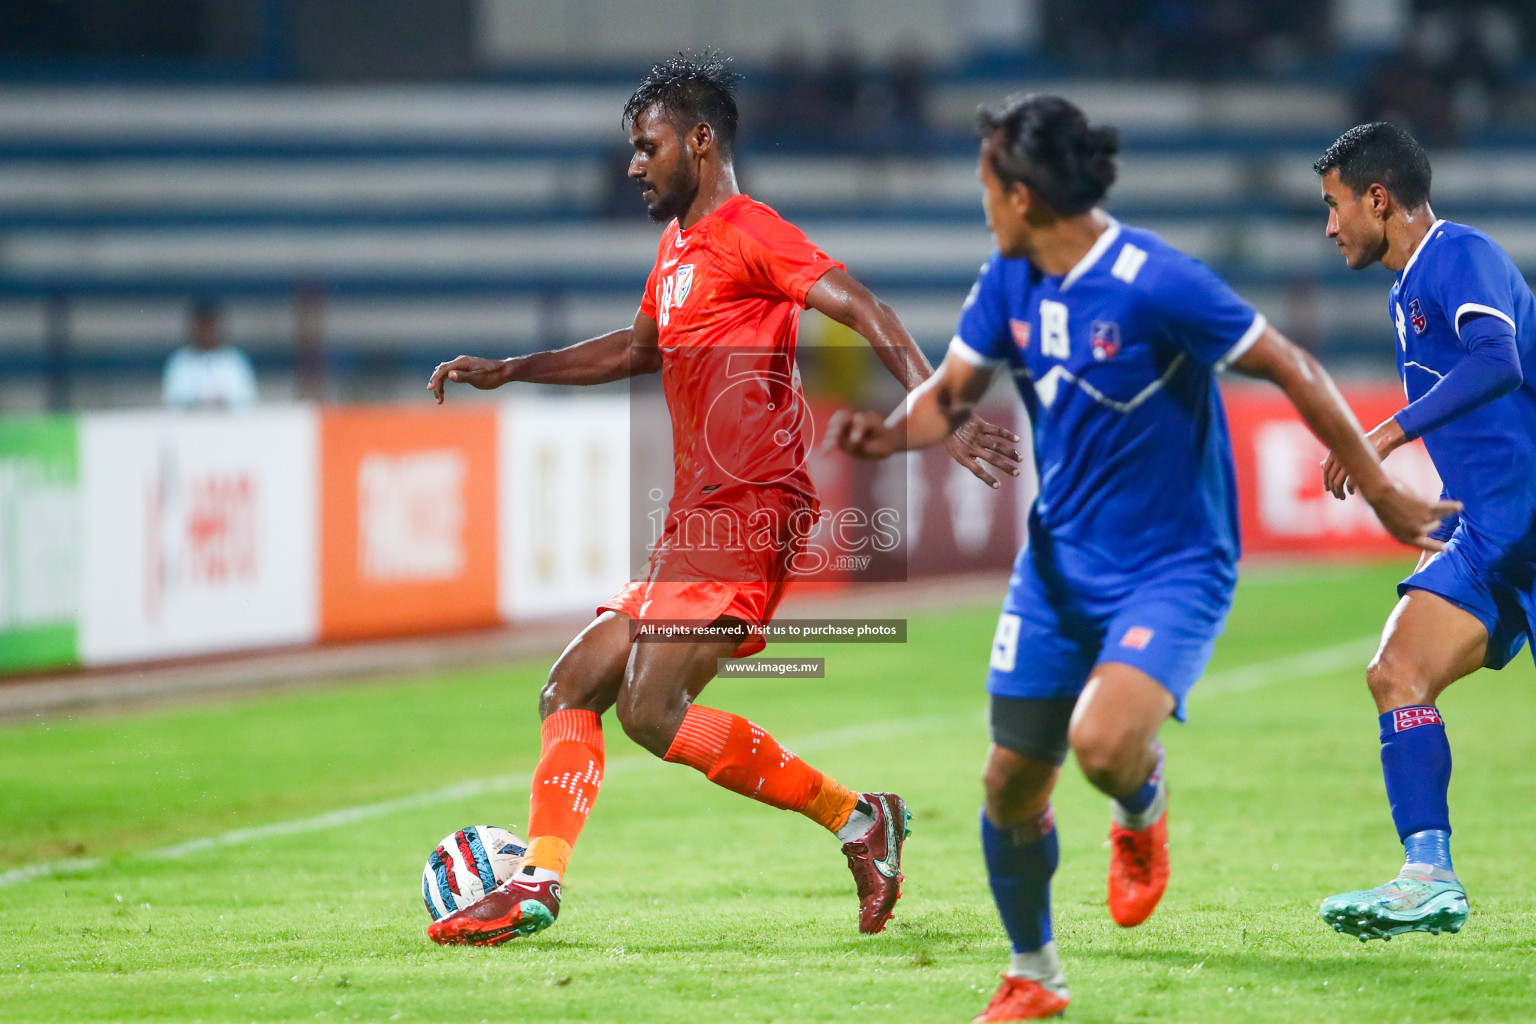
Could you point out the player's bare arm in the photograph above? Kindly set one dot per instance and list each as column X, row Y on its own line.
column 933, row 411
column 972, row 441
column 629, row 352
column 1386, row 438
column 1407, row 517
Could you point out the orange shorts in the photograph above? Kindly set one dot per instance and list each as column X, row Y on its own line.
column 739, row 581
column 703, row 602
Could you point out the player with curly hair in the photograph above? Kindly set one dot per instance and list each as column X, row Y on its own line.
column 721, row 306
column 1465, row 326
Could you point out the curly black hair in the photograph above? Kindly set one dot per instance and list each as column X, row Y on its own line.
column 692, row 88
column 1046, row 143
column 1380, row 153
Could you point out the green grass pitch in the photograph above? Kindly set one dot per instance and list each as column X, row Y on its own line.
column 685, row 903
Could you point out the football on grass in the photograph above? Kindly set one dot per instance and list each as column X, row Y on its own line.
column 467, row 865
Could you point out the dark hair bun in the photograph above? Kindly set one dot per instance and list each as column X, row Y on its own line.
column 1046, row 143
column 1096, row 155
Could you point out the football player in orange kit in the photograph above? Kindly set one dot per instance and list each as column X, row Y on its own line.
column 721, row 306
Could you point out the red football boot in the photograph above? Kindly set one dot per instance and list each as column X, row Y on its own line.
column 875, row 860
column 1138, row 871
column 510, row 910
column 1021, row 999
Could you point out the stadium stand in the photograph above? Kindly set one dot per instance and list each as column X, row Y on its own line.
column 375, row 229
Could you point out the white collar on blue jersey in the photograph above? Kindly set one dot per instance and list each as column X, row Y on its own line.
column 1100, row 247
column 1420, row 247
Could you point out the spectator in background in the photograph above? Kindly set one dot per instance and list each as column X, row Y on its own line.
column 1453, row 75
column 208, row 374
column 1475, row 61
column 843, row 83
column 1403, row 90
column 795, row 107
column 846, row 101
column 909, row 95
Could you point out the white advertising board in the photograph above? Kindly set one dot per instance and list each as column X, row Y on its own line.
column 563, row 500
column 200, row 532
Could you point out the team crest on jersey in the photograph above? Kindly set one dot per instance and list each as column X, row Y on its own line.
column 1416, row 317
column 1020, row 329
column 683, row 281
column 1105, row 338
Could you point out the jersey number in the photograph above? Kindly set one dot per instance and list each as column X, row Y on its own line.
column 674, row 292
column 1054, row 342
column 1005, row 643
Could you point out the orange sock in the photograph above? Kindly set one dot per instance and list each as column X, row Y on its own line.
column 565, row 783
column 742, row 757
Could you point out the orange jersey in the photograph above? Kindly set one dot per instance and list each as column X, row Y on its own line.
column 726, row 296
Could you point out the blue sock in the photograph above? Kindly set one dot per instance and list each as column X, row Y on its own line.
column 1020, row 863
column 1431, row 846
column 1416, row 761
column 1139, row 801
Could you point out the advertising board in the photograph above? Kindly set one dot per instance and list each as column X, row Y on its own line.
column 565, row 509
column 408, row 520
column 199, row 532
column 1279, row 477
column 39, row 542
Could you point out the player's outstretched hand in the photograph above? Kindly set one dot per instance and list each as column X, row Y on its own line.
column 863, row 435
column 1335, row 480
column 473, row 370
column 978, row 442
column 1408, row 517
column 1386, row 439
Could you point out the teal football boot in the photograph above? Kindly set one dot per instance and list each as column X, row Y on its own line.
column 1405, row 904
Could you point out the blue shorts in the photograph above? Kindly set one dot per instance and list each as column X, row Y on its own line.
column 1053, row 630
column 1466, row 574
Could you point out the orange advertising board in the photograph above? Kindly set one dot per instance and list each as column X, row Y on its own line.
column 408, row 520
column 1284, row 509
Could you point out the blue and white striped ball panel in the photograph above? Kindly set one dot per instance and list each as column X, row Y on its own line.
column 468, row 864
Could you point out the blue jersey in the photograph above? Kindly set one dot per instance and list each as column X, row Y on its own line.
column 1116, row 364
column 1487, row 457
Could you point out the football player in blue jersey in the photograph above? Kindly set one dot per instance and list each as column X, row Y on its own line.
column 1465, row 326
column 1114, row 339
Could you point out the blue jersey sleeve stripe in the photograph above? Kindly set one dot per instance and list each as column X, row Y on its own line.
column 969, row 355
column 1477, row 308
column 1246, row 342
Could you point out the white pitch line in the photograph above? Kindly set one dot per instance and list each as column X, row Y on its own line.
column 829, row 739
column 1290, row 668
column 505, row 783
column 27, row 872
